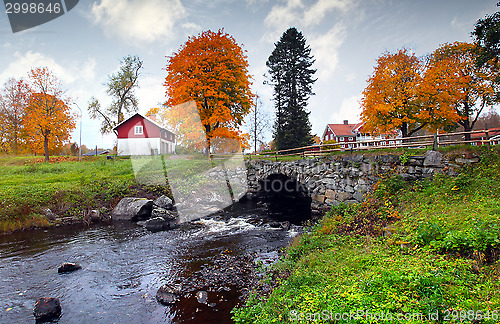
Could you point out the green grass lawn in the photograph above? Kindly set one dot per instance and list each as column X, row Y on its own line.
column 427, row 250
column 67, row 187
column 70, row 188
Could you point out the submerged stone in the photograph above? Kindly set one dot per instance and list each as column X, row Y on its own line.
column 160, row 224
column 202, row 297
column 68, row 267
column 168, row 295
column 47, row 309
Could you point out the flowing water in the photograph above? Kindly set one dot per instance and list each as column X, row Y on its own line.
column 123, row 265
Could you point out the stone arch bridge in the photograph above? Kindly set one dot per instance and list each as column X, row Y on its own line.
column 332, row 180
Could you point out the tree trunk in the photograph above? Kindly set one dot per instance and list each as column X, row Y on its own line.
column 14, row 144
column 466, row 122
column 46, row 146
column 467, row 128
column 404, row 130
column 209, row 146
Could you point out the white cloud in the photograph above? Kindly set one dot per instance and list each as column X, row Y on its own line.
column 139, row 21
column 325, row 48
column 459, row 24
column 315, row 14
column 296, row 12
column 150, row 93
column 282, row 17
column 66, row 72
column 191, row 27
column 254, row 2
column 349, row 110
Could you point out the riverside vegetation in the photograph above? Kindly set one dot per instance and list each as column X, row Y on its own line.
column 426, row 247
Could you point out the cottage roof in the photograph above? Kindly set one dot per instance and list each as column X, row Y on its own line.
column 99, row 152
column 342, row 129
column 146, row 118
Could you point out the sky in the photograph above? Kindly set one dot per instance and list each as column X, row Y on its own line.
column 84, row 46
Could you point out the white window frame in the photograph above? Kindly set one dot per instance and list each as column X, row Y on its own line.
column 138, row 130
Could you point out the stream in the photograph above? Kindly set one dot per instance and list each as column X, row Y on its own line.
column 123, row 265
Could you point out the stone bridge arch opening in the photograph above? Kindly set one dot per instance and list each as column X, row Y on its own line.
column 286, row 199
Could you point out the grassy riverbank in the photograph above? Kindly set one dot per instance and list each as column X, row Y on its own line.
column 430, row 247
column 68, row 187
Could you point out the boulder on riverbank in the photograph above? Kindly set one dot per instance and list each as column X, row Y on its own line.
column 166, row 214
column 164, row 202
column 49, row 214
column 68, row 267
column 47, row 309
column 132, row 209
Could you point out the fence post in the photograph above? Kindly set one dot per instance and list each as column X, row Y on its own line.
column 276, row 155
column 435, row 144
column 488, row 139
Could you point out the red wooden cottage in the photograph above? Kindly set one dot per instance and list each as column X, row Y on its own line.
column 352, row 136
column 493, row 136
column 141, row 135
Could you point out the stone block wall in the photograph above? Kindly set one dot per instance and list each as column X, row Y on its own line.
column 332, row 180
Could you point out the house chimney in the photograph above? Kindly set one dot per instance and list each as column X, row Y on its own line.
column 152, row 117
column 346, row 122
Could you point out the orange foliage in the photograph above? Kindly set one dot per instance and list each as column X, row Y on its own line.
column 57, row 159
column 49, row 120
column 211, row 70
column 392, row 100
column 12, row 112
column 455, row 84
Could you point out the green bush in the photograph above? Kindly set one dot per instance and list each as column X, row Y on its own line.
column 428, row 233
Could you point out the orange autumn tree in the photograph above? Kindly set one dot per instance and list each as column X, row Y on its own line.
column 392, row 98
column 210, row 69
column 456, row 84
column 13, row 102
column 48, row 120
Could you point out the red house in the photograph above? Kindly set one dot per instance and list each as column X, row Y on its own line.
column 493, row 135
column 352, row 136
column 141, row 135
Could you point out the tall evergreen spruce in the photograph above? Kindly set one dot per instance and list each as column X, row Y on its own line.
column 291, row 76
